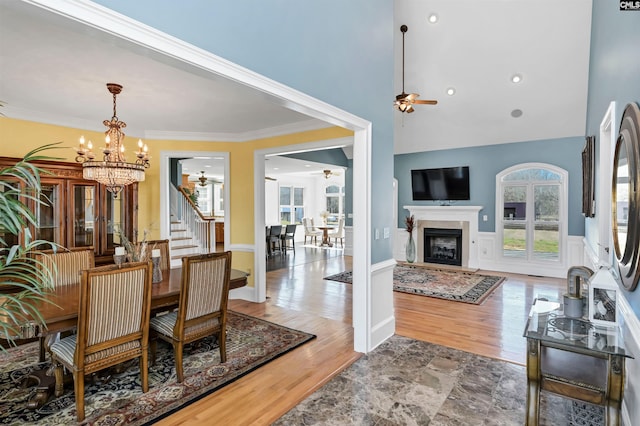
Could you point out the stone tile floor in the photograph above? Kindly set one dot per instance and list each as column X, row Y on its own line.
column 409, row 382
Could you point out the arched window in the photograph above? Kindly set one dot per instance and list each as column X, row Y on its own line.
column 532, row 212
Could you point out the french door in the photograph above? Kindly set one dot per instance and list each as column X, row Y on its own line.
column 532, row 202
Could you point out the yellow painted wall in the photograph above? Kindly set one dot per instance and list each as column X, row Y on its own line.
column 17, row 137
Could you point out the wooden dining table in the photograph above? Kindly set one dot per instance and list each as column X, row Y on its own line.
column 59, row 311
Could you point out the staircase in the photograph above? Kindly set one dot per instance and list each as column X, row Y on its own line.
column 182, row 243
column 191, row 232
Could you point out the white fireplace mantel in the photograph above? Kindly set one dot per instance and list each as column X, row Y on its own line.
column 467, row 214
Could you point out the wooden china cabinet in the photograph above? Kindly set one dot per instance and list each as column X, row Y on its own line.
column 79, row 212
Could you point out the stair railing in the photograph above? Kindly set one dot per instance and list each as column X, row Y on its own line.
column 202, row 228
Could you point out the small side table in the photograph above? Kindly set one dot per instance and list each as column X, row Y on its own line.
column 574, row 358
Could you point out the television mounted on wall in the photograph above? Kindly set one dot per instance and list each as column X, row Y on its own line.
column 441, row 184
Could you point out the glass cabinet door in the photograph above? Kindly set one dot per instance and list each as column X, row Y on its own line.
column 114, row 216
column 83, row 223
column 48, row 213
column 9, row 238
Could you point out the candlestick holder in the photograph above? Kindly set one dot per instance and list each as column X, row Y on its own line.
column 157, row 272
column 119, row 259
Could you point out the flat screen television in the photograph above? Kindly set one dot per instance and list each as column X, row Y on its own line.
column 445, row 183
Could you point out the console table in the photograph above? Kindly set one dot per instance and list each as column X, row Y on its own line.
column 574, row 358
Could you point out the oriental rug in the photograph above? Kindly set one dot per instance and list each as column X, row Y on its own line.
column 118, row 399
column 459, row 286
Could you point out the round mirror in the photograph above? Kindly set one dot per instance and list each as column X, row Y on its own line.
column 625, row 200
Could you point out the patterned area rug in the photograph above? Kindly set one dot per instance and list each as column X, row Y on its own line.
column 447, row 284
column 119, row 400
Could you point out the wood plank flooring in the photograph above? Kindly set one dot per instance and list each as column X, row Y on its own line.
column 298, row 297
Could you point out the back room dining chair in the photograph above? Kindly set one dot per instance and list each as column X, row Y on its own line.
column 289, row 235
column 202, row 307
column 113, row 326
column 165, row 253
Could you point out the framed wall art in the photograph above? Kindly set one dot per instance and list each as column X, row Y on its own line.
column 588, row 177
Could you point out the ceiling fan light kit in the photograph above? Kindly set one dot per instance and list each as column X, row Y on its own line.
column 404, row 101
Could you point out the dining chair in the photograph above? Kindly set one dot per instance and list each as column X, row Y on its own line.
column 202, row 307
column 338, row 233
column 113, row 326
column 165, row 253
column 289, row 235
column 313, row 235
column 273, row 238
column 65, row 266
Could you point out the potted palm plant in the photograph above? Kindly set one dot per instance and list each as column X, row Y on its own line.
column 22, row 280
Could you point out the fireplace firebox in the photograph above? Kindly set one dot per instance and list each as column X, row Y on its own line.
column 443, row 246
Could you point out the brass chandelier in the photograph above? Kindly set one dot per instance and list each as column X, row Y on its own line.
column 113, row 171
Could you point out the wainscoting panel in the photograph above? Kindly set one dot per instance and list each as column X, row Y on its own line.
column 383, row 321
column 348, row 241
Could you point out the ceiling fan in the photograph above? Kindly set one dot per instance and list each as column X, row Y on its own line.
column 404, row 101
column 202, row 179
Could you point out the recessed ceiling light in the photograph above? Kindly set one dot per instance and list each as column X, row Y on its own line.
column 276, row 168
column 516, row 113
column 516, row 78
column 451, row 91
column 307, row 165
column 207, row 165
column 433, row 18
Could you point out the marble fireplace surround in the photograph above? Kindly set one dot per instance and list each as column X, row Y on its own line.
column 448, row 217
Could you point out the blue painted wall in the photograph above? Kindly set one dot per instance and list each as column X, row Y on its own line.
column 328, row 156
column 485, row 163
column 338, row 51
column 614, row 75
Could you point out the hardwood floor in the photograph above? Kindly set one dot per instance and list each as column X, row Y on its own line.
column 298, row 297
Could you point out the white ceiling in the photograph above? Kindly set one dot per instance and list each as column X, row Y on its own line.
column 476, row 46
column 54, row 70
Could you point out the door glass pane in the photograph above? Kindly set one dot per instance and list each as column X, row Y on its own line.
column 83, row 201
column 514, row 239
column 515, row 202
column 115, row 220
column 547, row 202
column 48, row 214
column 546, row 237
column 9, row 238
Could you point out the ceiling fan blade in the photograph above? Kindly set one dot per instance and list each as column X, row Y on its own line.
column 411, row 97
column 426, row 102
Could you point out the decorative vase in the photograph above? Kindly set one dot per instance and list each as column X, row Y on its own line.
column 411, row 249
column 157, row 272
